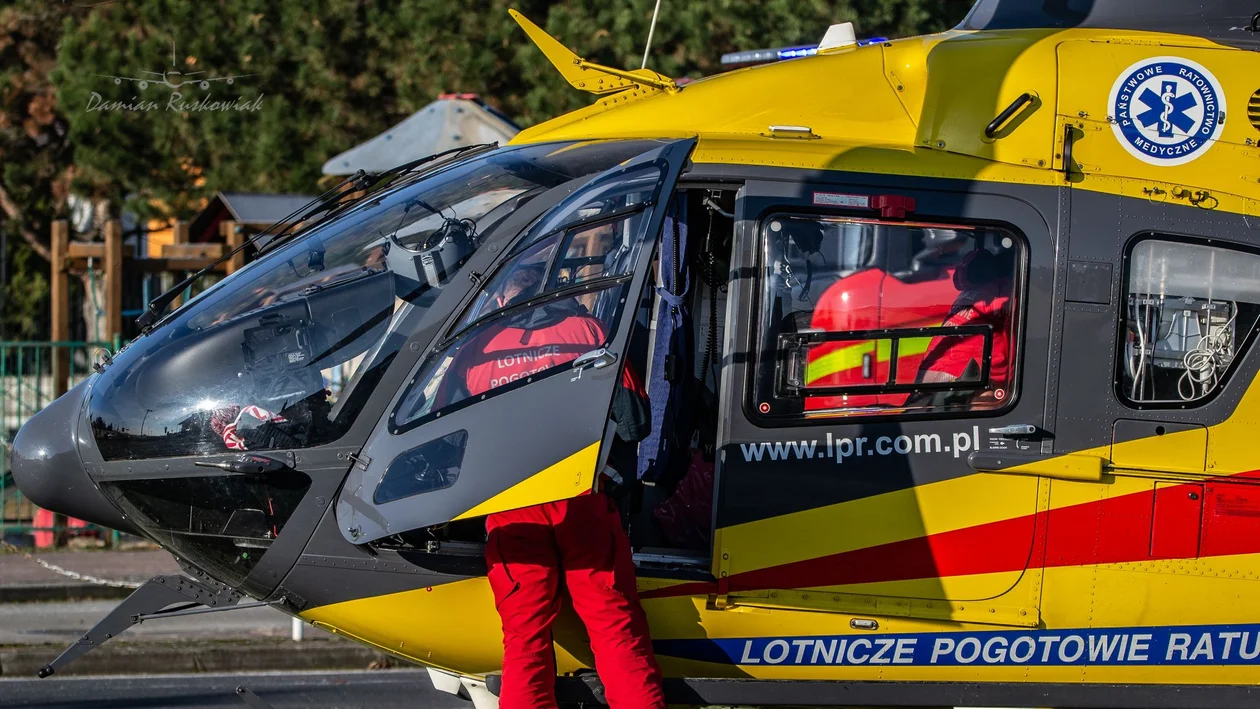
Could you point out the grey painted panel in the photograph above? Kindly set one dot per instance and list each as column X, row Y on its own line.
column 1086, row 379
column 510, row 437
column 1104, row 227
column 332, row 570
column 1089, row 282
column 1126, row 430
column 47, row 467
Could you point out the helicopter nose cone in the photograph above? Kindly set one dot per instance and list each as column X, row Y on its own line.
column 47, row 468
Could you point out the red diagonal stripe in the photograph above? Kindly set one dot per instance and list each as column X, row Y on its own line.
column 1223, row 519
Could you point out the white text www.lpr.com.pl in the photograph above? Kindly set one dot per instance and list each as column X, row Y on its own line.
column 839, row 449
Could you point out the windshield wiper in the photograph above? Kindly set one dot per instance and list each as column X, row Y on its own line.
column 406, row 169
column 330, row 202
column 409, row 167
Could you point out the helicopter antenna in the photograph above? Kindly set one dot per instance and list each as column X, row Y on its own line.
column 651, row 29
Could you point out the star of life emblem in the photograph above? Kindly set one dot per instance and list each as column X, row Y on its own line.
column 1167, row 110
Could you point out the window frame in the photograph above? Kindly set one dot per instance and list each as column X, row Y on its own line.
column 528, row 238
column 759, row 333
column 404, row 458
column 454, row 331
column 1126, row 265
column 450, row 330
column 566, row 242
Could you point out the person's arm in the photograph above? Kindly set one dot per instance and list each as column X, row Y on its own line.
column 631, row 410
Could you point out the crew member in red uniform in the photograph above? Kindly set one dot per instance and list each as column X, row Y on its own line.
column 577, row 542
column 984, row 281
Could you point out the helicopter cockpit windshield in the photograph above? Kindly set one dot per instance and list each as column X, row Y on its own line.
column 284, row 353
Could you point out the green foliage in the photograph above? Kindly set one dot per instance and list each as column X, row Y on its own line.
column 332, row 74
column 328, row 74
column 26, row 294
column 35, row 154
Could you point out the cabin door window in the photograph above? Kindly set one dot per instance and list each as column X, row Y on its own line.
column 864, row 317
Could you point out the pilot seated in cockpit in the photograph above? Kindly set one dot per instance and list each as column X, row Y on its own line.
column 984, row 281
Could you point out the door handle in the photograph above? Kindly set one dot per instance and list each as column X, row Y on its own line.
column 595, row 359
column 1016, row 430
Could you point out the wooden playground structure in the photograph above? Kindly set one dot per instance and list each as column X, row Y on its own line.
column 33, row 374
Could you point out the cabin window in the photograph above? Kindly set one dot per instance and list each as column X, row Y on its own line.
column 867, row 318
column 432, row 466
column 1188, row 308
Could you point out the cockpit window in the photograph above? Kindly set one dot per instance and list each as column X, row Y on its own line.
column 864, row 318
column 284, row 353
column 564, row 285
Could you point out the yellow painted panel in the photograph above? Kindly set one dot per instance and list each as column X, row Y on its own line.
column 1088, row 101
column 568, row 478
column 862, row 107
column 1215, row 591
column 918, row 106
column 892, row 517
column 964, row 93
column 1181, row 451
column 453, row 626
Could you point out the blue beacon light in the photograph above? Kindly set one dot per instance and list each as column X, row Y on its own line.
column 762, row 56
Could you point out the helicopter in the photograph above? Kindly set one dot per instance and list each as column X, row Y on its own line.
column 963, row 418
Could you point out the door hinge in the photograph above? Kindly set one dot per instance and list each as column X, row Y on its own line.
column 721, row 600
column 360, row 461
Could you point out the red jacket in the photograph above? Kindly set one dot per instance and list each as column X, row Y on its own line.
column 986, row 305
column 501, row 355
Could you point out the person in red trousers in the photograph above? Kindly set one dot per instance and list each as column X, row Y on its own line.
column 578, row 544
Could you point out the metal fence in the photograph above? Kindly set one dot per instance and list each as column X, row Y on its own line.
column 32, row 375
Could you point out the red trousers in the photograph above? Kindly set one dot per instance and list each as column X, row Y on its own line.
column 579, row 542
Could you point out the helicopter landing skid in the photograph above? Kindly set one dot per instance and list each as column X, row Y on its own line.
column 158, row 597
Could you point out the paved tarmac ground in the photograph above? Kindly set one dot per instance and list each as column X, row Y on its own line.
column 36, row 623
column 135, row 566
column 387, row 689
